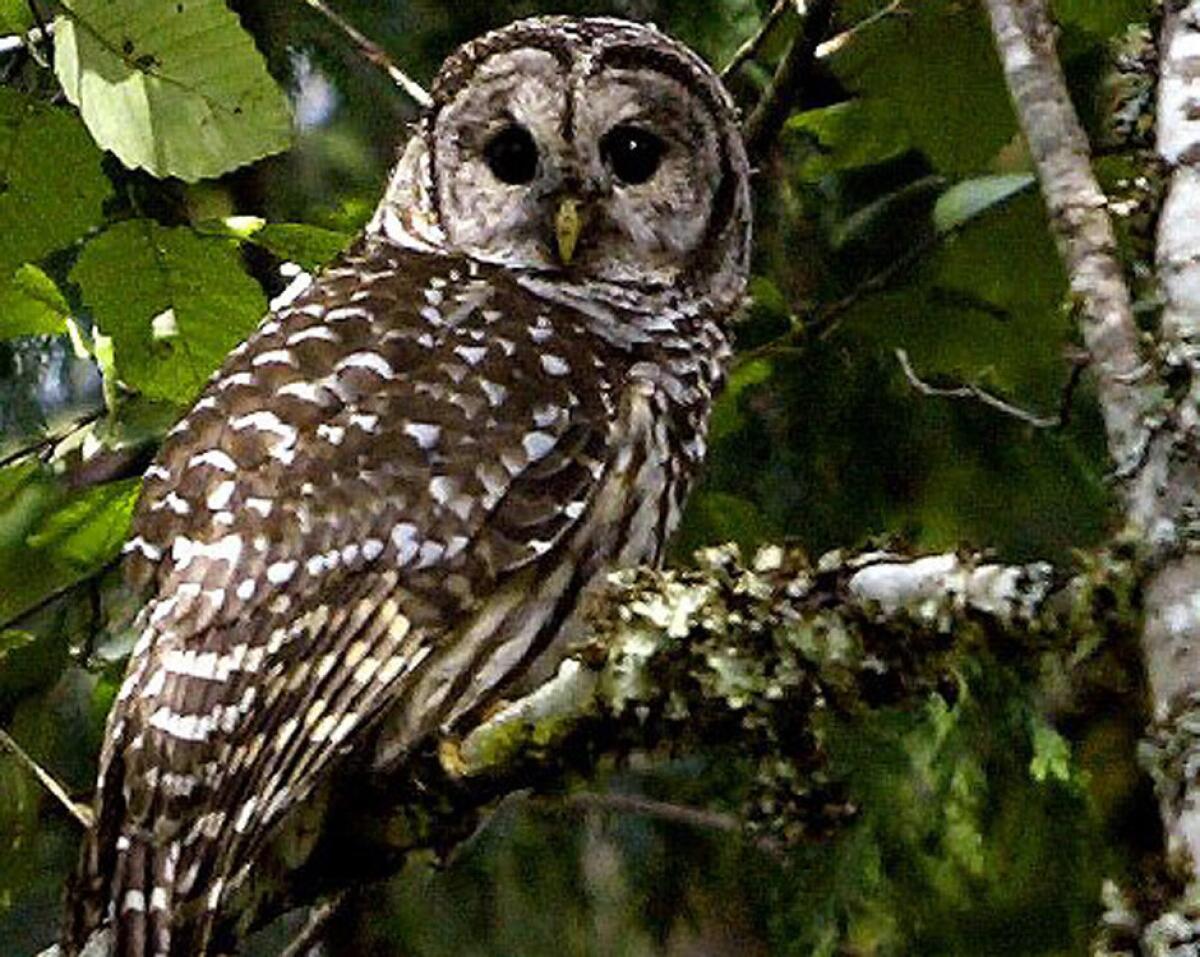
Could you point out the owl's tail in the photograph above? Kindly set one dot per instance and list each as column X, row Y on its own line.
column 141, row 896
column 124, row 883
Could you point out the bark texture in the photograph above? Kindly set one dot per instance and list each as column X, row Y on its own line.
column 1024, row 38
column 1151, row 404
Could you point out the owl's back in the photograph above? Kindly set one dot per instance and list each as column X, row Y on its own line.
column 384, row 509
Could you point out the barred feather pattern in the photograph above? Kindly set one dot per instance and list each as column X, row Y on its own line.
column 385, row 505
column 390, row 504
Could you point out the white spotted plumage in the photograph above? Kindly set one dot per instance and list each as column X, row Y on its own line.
column 387, row 504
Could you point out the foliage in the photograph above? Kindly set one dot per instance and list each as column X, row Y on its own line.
column 897, row 211
column 201, row 302
column 174, row 88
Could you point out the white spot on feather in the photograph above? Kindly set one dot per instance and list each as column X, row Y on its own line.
column 323, row 333
column 555, row 365
column 219, row 497
column 367, row 360
column 348, row 312
column 537, row 444
column 471, row 355
column 238, row 378
column 426, row 434
column 261, row 505
column 305, row 391
column 404, row 537
column 282, row 357
column 333, row 434
column 279, row 573
column 214, row 457
column 495, row 392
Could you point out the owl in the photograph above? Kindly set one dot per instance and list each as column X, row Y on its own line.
column 389, row 505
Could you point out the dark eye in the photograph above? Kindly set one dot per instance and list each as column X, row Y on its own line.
column 632, row 153
column 512, row 155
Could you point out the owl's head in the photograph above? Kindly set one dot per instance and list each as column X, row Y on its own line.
column 594, row 150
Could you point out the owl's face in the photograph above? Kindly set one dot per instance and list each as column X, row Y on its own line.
column 591, row 149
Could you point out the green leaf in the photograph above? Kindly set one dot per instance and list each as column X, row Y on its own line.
column 1051, row 754
column 28, row 493
column 12, row 640
column 15, row 16
column 876, row 217
column 954, row 106
column 44, row 205
column 1102, row 17
column 727, row 416
column 977, row 317
column 26, row 661
column 964, row 201
column 846, row 135
column 309, row 246
column 714, row 518
column 177, row 89
column 88, row 529
column 138, row 272
column 31, row 305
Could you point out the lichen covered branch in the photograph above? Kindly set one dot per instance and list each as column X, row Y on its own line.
column 763, row 655
column 1171, row 640
column 1152, row 419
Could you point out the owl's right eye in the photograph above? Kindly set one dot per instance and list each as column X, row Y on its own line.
column 512, row 155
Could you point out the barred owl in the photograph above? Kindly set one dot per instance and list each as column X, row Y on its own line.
column 388, row 505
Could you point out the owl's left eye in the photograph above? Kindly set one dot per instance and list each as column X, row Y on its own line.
column 633, row 153
column 512, row 155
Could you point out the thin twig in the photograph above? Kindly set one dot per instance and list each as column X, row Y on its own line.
column 978, row 394
column 42, row 30
column 835, row 43
column 79, row 812
column 829, row 317
column 772, row 111
column 749, row 50
column 11, row 42
column 672, row 813
column 319, row 917
column 52, row 438
column 373, row 52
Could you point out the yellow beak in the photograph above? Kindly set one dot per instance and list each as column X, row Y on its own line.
column 568, row 223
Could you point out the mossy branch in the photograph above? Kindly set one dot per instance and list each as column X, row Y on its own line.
column 762, row 654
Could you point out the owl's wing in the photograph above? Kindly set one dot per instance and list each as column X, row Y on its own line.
column 352, row 491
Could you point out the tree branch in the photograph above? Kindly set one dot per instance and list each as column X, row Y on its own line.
column 762, row 126
column 375, row 54
column 51, row 439
column 835, row 43
column 749, row 50
column 756, row 656
column 1153, row 425
column 1078, row 218
column 979, row 394
column 81, row 813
